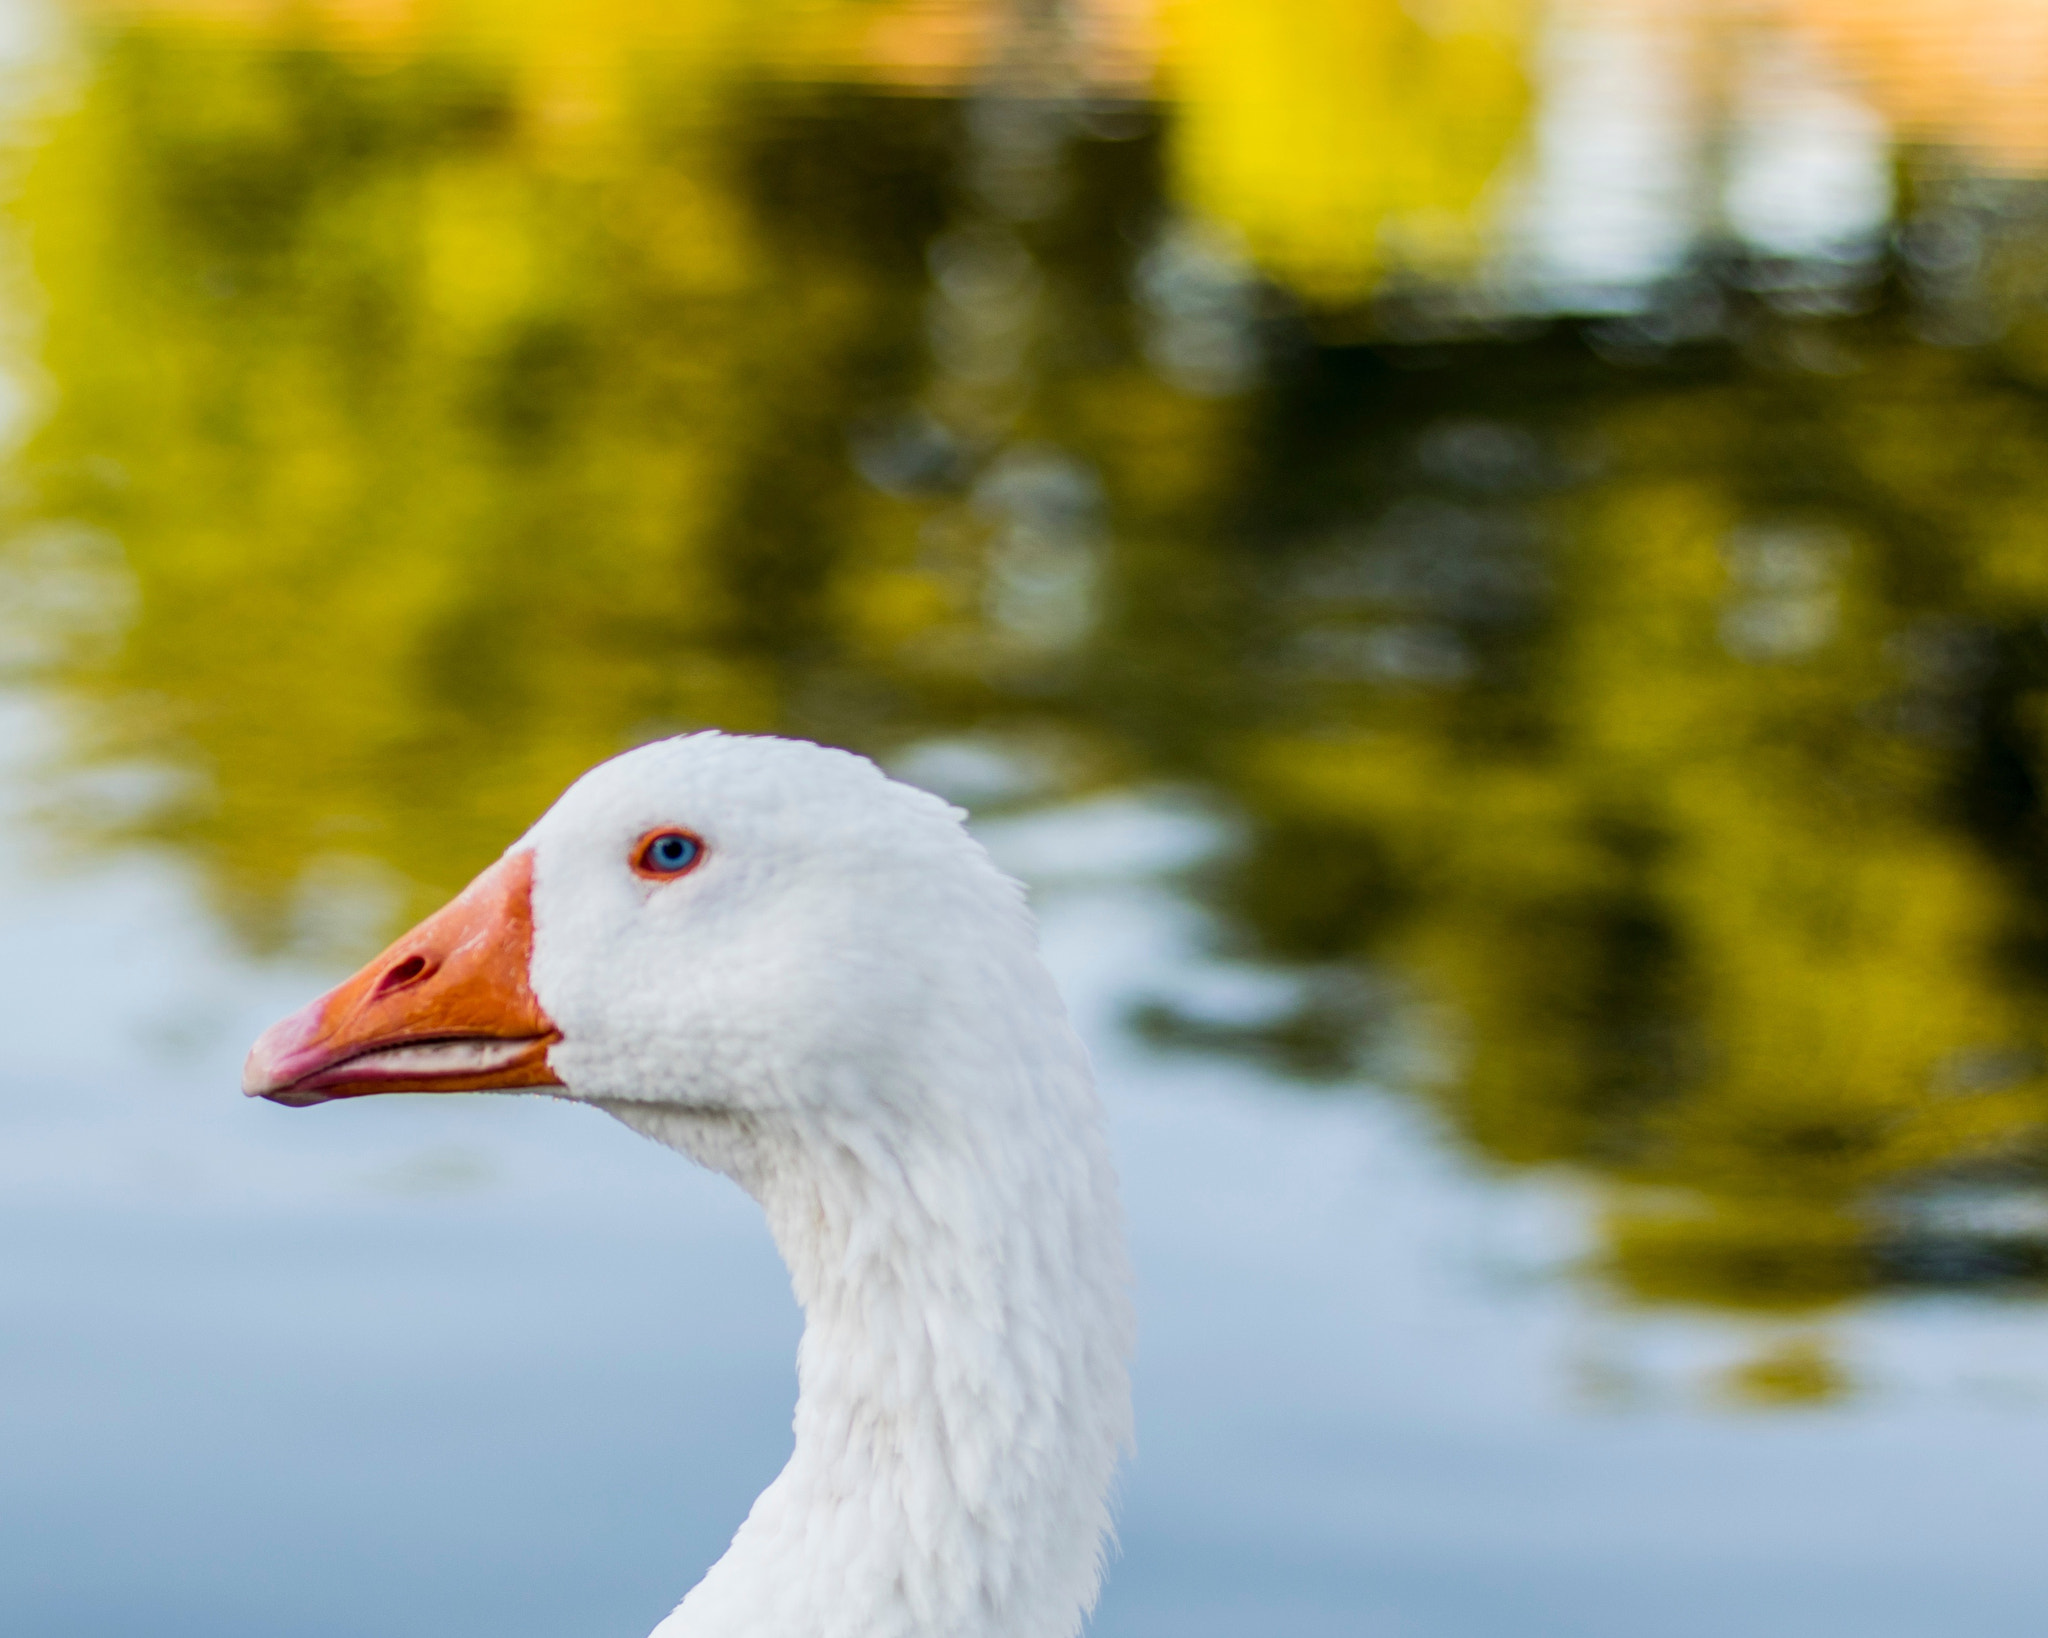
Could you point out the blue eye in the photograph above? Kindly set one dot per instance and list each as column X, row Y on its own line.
column 668, row 853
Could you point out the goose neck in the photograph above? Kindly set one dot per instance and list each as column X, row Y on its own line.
column 962, row 1394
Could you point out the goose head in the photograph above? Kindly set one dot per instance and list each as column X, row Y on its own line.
column 803, row 974
column 714, row 923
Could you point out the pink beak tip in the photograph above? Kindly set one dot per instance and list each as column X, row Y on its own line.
column 282, row 1054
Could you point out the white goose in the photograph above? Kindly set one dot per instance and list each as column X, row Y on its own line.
column 809, row 977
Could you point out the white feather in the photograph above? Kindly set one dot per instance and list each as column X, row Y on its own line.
column 842, row 1008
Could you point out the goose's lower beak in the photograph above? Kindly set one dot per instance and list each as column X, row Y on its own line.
column 448, row 1008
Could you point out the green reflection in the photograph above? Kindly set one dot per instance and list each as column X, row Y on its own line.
column 1671, row 723
column 1638, row 740
column 446, row 456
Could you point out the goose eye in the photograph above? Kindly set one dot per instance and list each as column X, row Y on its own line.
column 668, row 853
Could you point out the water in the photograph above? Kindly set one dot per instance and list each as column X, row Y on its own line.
column 501, row 1366
column 1500, row 613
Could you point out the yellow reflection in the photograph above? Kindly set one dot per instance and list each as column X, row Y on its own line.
column 1795, row 1372
column 1341, row 138
column 1338, row 138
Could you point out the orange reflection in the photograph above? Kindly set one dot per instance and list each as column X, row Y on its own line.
column 1961, row 72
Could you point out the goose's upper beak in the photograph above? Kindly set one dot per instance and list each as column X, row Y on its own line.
column 448, row 1008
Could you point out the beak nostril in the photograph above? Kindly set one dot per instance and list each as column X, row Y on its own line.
column 413, row 967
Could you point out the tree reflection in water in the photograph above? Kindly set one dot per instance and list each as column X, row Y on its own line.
column 1636, row 722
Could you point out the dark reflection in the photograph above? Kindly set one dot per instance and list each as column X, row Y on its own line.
column 1635, row 720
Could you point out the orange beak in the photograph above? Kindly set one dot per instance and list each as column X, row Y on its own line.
column 448, row 1008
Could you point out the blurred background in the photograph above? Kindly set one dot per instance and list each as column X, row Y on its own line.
column 1488, row 559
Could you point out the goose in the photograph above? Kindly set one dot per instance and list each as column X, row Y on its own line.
column 796, row 971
